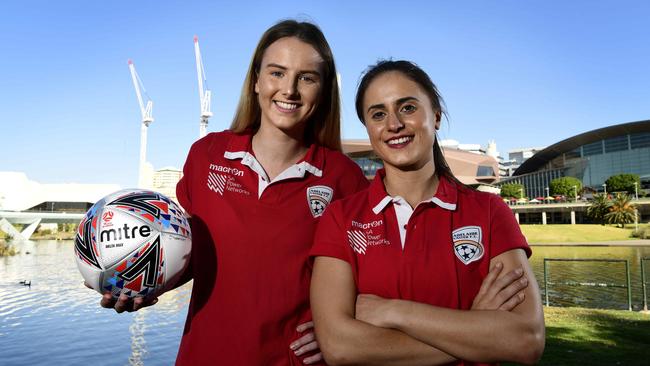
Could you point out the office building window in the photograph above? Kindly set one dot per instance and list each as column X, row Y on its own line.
column 595, row 148
column 618, row 143
column 639, row 140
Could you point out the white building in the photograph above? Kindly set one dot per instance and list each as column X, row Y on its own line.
column 164, row 181
column 19, row 193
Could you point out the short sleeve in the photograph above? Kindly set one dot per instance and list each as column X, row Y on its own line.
column 329, row 240
column 505, row 233
column 351, row 177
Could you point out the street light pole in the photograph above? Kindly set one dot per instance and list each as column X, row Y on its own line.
column 636, row 191
column 605, row 187
column 547, row 194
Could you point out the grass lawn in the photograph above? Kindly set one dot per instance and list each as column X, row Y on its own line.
column 578, row 336
column 575, row 233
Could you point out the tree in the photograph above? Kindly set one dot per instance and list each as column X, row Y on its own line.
column 621, row 211
column 623, row 183
column 513, row 190
column 598, row 208
column 564, row 186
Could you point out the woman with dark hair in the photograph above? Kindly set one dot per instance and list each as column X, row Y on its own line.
column 407, row 272
column 255, row 194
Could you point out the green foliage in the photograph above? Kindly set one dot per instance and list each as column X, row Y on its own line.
column 623, row 183
column 67, row 227
column 643, row 232
column 564, row 186
column 598, row 208
column 621, row 211
column 512, row 190
column 6, row 250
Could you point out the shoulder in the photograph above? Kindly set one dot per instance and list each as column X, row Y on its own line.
column 336, row 160
column 351, row 204
column 470, row 197
column 213, row 140
column 346, row 174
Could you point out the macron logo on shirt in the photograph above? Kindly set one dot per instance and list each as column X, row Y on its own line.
column 224, row 169
column 364, row 235
column 216, row 182
column 358, row 241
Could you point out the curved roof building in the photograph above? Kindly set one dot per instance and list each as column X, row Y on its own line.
column 591, row 157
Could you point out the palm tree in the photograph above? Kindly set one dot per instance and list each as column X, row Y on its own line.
column 598, row 208
column 621, row 211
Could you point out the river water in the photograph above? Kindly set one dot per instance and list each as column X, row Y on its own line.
column 58, row 321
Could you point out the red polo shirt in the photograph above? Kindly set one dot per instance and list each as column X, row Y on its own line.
column 448, row 242
column 250, row 243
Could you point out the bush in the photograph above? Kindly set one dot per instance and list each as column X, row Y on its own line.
column 6, row 250
column 643, row 232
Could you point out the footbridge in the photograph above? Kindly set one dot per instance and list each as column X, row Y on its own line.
column 31, row 220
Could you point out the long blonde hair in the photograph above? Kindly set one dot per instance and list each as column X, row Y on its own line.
column 324, row 127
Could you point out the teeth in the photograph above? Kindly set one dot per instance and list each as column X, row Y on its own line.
column 284, row 105
column 401, row 140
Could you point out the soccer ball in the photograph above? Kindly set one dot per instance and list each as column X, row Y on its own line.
column 133, row 242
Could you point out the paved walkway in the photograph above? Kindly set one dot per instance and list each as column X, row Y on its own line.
column 617, row 243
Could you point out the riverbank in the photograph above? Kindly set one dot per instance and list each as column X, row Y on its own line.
column 578, row 336
column 60, row 235
column 579, row 234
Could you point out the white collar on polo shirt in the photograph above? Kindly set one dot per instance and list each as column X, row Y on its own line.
column 403, row 211
column 294, row 171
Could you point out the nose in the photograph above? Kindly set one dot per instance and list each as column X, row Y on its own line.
column 393, row 122
column 290, row 87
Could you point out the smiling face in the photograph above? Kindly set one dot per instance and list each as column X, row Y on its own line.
column 400, row 121
column 289, row 85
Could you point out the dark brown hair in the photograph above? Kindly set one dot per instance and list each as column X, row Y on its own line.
column 417, row 75
column 324, row 126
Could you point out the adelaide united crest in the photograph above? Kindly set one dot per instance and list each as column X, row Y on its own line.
column 467, row 243
column 318, row 197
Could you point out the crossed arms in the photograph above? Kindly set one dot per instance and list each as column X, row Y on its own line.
column 506, row 322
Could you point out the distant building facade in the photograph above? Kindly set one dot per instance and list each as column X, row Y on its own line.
column 470, row 165
column 164, row 181
column 19, row 193
column 592, row 157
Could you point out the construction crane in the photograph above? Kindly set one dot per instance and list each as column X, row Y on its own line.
column 146, row 113
column 204, row 92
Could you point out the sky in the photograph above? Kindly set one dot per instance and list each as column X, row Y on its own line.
column 521, row 73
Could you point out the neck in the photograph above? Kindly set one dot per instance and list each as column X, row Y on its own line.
column 275, row 142
column 414, row 186
column 276, row 150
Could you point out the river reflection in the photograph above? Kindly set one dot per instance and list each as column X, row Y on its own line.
column 58, row 321
column 597, row 274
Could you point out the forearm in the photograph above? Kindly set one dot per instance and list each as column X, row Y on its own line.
column 348, row 341
column 473, row 335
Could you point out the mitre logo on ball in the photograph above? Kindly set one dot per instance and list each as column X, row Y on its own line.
column 133, row 242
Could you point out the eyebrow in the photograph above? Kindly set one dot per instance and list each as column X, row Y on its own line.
column 399, row 101
column 285, row 68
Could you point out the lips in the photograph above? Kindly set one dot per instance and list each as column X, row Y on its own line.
column 285, row 106
column 399, row 141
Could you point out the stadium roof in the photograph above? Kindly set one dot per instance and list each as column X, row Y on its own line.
column 540, row 159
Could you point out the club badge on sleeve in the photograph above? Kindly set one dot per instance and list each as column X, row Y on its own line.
column 467, row 243
column 318, row 197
